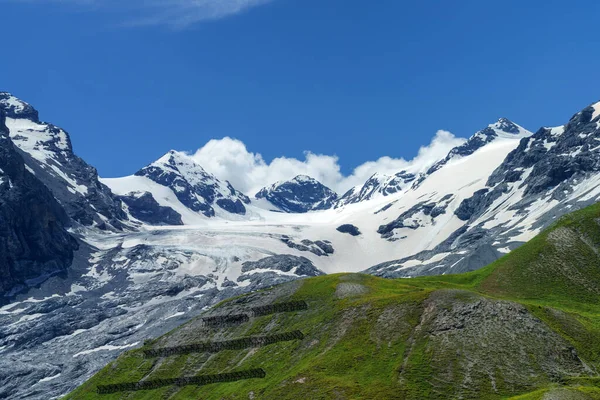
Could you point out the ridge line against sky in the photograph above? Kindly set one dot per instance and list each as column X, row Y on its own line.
column 177, row 14
column 229, row 159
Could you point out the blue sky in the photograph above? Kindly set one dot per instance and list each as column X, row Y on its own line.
column 356, row 79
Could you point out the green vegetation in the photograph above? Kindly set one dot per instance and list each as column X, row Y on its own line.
column 525, row 327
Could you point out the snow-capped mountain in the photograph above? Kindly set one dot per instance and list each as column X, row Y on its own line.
column 548, row 174
column 386, row 185
column 299, row 195
column 176, row 181
column 48, row 154
column 502, row 129
column 483, row 199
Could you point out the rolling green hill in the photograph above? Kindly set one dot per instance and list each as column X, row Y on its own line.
column 526, row 326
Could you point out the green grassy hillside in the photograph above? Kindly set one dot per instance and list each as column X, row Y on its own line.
column 526, row 326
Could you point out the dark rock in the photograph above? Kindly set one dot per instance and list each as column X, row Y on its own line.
column 319, row 248
column 299, row 195
column 406, row 220
column 349, row 228
column 284, row 263
column 325, row 246
column 34, row 242
column 72, row 181
column 145, row 208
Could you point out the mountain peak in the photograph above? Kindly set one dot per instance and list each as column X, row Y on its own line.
column 16, row 108
column 506, row 128
column 304, row 179
column 299, row 195
column 505, row 125
column 196, row 188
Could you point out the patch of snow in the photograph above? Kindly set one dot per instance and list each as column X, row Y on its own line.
column 596, row 113
column 177, row 314
column 106, row 347
column 50, row 378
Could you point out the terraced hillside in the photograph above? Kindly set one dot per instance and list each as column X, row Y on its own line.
column 527, row 325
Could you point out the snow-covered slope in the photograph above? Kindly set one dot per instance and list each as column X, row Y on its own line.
column 299, row 195
column 385, row 185
column 548, row 174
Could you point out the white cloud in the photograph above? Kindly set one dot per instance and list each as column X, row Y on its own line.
column 229, row 159
column 174, row 13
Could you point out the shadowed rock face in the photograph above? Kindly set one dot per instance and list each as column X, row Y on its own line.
column 146, row 209
column 34, row 243
column 46, row 150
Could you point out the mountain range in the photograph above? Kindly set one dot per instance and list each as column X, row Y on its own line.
column 92, row 266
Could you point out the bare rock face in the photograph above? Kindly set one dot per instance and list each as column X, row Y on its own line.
column 145, row 208
column 34, row 243
column 299, row 195
column 484, row 340
column 47, row 151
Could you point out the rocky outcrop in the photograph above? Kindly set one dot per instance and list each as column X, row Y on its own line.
column 299, row 266
column 377, row 184
column 47, row 152
column 34, row 242
column 415, row 217
column 299, row 195
column 349, row 229
column 143, row 207
column 319, row 247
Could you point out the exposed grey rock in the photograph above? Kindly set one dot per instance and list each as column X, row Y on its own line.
column 470, row 335
column 302, row 266
column 410, row 218
column 319, row 248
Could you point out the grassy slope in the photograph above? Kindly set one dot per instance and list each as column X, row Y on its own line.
column 379, row 344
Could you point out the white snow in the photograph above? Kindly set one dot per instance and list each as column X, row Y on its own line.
column 12, row 101
column 106, row 347
column 177, row 314
column 596, row 113
column 162, row 194
column 50, row 378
